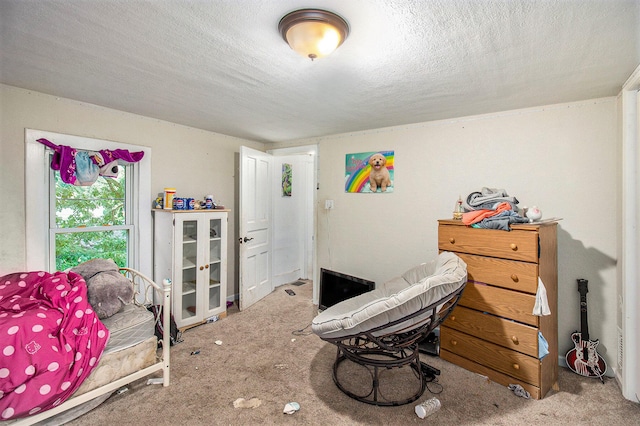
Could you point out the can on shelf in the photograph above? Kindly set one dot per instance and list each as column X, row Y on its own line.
column 178, row 203
column 208, row 201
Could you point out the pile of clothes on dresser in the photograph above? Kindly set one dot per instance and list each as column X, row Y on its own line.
column 491, row 208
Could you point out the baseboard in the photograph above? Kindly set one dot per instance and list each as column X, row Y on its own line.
column 562, row 361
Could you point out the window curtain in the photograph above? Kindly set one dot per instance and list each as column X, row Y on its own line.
column 82, row 168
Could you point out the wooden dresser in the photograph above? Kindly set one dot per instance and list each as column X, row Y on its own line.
column 492, row 331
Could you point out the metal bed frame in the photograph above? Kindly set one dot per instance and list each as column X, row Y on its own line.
column 146, row 292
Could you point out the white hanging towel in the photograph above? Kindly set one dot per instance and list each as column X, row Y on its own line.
column 541, row 306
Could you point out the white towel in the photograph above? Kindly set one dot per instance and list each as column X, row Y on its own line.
column 541, row 306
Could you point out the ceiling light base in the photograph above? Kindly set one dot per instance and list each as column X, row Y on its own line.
column 313, row 33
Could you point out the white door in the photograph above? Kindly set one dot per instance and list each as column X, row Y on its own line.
column 255, row 226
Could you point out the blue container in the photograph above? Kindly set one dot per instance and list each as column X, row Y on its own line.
column 178, row 203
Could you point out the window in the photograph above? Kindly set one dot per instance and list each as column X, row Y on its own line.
column 88, row 222
column 66, row 225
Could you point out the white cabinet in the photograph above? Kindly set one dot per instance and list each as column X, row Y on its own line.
column 190, row 248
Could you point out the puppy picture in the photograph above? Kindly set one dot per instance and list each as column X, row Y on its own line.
column 379, row 176
column 369, row 172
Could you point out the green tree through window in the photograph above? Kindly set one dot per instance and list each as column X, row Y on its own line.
column 91, row 221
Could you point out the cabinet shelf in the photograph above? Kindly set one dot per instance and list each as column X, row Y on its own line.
column 187, row 264
column 188, row 287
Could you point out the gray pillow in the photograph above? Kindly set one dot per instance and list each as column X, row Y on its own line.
column 107, row 289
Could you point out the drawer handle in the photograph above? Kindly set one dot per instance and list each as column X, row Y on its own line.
column 515, row 339
column 514, row 246
column 202, row 268
column 454, row 342
column 206, row 266
column 452, row 240
column 514, row 277
column 516, row 367
column 452, row 317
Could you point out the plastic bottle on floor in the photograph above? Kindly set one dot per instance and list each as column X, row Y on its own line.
column 427, row 407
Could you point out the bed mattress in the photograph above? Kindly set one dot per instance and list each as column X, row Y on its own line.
column 132, row 346
column 132, row 325
column 116, row 365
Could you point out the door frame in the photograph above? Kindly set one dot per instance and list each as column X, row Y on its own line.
column 628, row 268
column 311, row 220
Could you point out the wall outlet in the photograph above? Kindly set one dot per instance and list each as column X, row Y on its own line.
column 328, row 204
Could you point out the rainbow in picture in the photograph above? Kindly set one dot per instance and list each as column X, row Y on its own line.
column 357, row 171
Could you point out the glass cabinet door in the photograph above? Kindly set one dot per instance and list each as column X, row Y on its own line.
column 213, row 287
column 189, row 268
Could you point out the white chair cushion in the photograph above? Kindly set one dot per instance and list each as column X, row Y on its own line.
column 394, row 300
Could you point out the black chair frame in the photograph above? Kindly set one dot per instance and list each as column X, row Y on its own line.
column 377, row 351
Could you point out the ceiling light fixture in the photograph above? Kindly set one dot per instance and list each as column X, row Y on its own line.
column 313, row 33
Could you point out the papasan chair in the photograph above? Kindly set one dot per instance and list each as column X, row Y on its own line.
column 378, row 332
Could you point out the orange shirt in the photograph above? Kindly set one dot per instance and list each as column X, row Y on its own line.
column 476, row 216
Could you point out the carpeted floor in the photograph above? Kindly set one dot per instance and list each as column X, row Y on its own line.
column 268, row 353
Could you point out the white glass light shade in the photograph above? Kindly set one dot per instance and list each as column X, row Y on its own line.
column 313, row 33
column 313, row 39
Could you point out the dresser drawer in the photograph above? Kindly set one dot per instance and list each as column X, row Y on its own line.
column 516, row 245
column 493, row 375
column 496, row 357
column 498, row 301
column 510, row 334
column 511, row 274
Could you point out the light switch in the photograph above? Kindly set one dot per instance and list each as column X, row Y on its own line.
column 328, row 204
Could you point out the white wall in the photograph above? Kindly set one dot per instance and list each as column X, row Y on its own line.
column 561, row 158
column 194, row 161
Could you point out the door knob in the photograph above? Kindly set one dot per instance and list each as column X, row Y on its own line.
column 247, row 239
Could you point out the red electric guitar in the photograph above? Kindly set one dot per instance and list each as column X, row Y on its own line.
column 583, row 359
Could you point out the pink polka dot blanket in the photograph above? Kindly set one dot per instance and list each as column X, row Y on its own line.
column 50, row 340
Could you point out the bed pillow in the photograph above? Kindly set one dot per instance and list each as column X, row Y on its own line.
column 107, row 289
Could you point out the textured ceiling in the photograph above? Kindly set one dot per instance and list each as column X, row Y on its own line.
column 222, row 66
